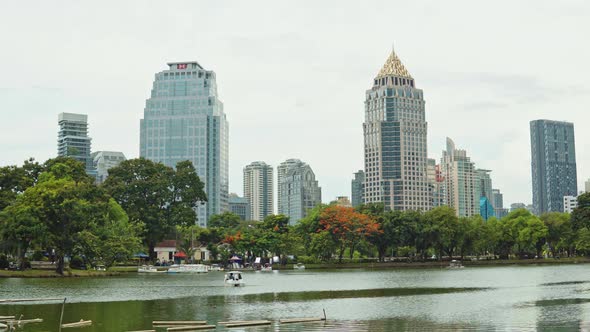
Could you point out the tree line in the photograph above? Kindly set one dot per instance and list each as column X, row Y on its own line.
column 56, row 207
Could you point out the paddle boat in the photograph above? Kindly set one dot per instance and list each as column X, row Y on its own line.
column 455, row 264
column 299, row 266
column 233, row 278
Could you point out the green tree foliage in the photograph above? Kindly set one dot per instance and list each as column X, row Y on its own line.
column 66, row 202
column 156, row 195
column 14, row 180
column 227, row 220
column 560, row 235
column 581, row 215
column 109, row 239
column 19, row 224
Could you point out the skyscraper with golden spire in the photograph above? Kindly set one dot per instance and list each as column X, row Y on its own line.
column 395, row 132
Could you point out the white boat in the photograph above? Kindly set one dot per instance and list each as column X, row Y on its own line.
column 148, row 269
column 299, row 266
column 266, row 268
column 233, row 278
column 188, row 268
column 455, row 265
column 215, row 267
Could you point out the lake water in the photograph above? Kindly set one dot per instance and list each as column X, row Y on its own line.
column 551, row 298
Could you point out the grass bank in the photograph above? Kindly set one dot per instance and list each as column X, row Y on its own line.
column 53, row 274
column 437, row 264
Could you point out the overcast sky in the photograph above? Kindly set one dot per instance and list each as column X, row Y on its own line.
column 292, row 75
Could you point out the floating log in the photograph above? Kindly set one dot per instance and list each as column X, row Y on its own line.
column 22, row 321
column 233, row 322
column 191, row 328
column 249, row 323
column 30, row 300
column 81, row 323
column 178, row 322
column 300, row 320
column 6, row 317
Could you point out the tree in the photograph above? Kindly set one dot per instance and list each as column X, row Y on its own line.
column 580, row 217
column 227, row 220
column 559, row 231
column 156, row 195
column 67, row 202
column 533, row 235
column 15, row 180
column 441, row 226
column 18, row 223
column 347, row 227
column 111, row 239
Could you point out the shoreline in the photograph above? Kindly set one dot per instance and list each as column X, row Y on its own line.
column 32, row 273
column 122, row 270
column 443, row 264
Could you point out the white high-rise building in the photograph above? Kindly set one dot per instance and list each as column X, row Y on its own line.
column 570, row 203
column 395, row 132
column 258, row 189
column 184, row 120
column 460, row 181
column 105, row 160
column 73, row 140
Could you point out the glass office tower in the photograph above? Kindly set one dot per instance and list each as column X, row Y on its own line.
column 553, row 164
column 184, row 120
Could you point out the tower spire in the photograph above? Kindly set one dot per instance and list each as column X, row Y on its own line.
column 393, row 66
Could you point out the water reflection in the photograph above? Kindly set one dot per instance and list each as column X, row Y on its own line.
column 500, row 298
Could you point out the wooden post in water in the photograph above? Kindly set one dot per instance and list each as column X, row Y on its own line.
column 324, row 314
column 61, row 317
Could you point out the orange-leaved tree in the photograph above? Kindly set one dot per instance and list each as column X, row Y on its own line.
column 347, row 227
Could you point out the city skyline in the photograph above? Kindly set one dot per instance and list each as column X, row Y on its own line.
column 493, row 77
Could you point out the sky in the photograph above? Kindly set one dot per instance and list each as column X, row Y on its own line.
column 293, row 74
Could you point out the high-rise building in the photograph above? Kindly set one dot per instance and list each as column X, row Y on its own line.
column 435, row 183
column 298, row 190
column 184, row 120
column 570, row 203
column 553, row 164
column 483, row 184
column 395, row 131
column 258, row 189
column 105, row 160
column 587, row 186
column 357, row 188
column 73, row 140
column 240, row 206
column 486, row 209
column 517, row 206
column 342, row 201
column 498, row 203
column 460, row 181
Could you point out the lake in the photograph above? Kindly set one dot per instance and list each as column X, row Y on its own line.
column 474, row 298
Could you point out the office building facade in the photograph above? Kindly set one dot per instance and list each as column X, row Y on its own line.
column 395, row 132
column 184, row 120
column 258, row 189
column 240, row 206
column 356, row 188
column 553, row 164
column 298, row 190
